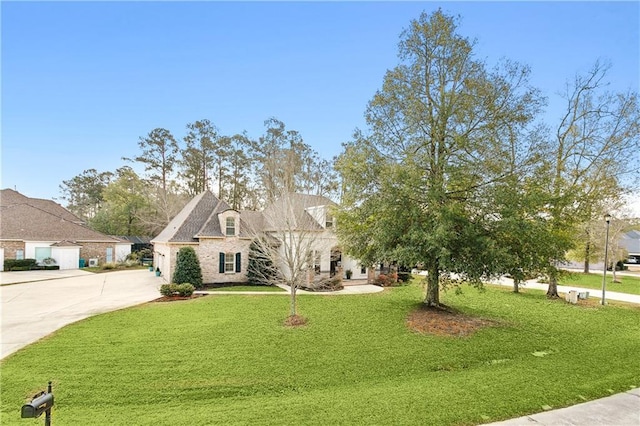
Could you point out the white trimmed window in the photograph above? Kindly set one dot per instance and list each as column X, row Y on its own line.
column 229, row 262
column 231, row 226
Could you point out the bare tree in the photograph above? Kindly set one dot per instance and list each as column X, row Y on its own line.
column 595, row 154
column 289, row 238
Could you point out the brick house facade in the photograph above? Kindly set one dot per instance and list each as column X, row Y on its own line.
column 32, row 228
column 221, row 238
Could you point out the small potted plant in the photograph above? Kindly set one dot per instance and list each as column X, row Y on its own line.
column 150, row 268
column 157, row 272
column 348, row 273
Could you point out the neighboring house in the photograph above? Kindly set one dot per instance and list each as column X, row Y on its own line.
column 630, row 241
column 221, row 237
column 32, row 228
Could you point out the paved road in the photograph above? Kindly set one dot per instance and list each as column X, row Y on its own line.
column 36, row 308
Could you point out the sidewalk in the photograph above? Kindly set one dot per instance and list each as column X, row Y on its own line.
column 350, row 289
column 609, row 295
column 622, row 409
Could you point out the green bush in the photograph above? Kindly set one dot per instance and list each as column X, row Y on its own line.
column 22, row 268
column 12, row 264
column 52, row 267
column 167, row 289
column 183, row 290
column 404, row 277
column 188, row 268
column 109, row 266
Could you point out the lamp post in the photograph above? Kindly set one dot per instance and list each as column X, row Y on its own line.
column 607, row 219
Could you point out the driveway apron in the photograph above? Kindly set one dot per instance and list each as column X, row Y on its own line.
column 32, row 310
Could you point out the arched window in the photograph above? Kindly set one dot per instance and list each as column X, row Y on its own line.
column 231, row 226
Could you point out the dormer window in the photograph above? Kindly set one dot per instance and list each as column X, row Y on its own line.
column 231, row 227
column 329, row 222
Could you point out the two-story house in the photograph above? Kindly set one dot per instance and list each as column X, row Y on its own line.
column 221, row 237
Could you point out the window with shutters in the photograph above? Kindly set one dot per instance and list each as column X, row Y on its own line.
column 229, row 262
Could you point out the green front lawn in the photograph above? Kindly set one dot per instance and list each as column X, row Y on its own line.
column 627, row 284
column 228, row 360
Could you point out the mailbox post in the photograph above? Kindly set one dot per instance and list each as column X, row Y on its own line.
column 40, row 403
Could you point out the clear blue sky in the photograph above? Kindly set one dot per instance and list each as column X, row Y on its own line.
column 82, row 81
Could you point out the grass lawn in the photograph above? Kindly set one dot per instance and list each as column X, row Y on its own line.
column 627, row 284
column 228, row 360
column 263, row 288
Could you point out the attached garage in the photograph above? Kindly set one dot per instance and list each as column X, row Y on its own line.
column 66, row 254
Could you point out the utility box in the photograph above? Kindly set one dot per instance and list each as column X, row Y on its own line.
column 583, row 295
column 572, row 297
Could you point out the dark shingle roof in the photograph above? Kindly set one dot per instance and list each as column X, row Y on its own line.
column 10, row 197
column 28, row 223
column 293, row 206
column 198, row 218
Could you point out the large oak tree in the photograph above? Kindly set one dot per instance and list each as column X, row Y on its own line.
column 418, row 188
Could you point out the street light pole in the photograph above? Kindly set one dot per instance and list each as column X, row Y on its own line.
column 607, row 219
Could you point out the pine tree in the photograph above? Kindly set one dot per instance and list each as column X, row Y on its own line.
column 261, row 270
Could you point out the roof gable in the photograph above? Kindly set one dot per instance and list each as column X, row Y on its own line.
column 29, row 223
column 194, row 220
column 9, row 197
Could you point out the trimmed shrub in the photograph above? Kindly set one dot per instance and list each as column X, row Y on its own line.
column 183, row 290
column 23, row 264
column 167, row 289
column 188, row 268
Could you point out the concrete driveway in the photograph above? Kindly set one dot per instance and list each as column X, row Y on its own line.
column 46, row 302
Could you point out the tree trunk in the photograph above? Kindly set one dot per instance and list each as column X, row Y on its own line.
column 587, row 253
column 516, row 286
column 293, row 300
column 552, row 291
column 433, row 285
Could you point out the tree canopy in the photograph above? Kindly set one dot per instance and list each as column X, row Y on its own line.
column 445, row 134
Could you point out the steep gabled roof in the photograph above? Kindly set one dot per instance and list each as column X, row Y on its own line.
column 211, row 228
column 198, row 218
column 251, row 223
column 294, row 207
column 10, row 197
column 28, row 223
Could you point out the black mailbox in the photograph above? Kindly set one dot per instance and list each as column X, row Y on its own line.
column 37, row 406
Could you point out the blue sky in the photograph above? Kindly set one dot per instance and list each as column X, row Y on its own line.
column 82, row 81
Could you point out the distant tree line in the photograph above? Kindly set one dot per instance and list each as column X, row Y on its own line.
column 244, row 172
